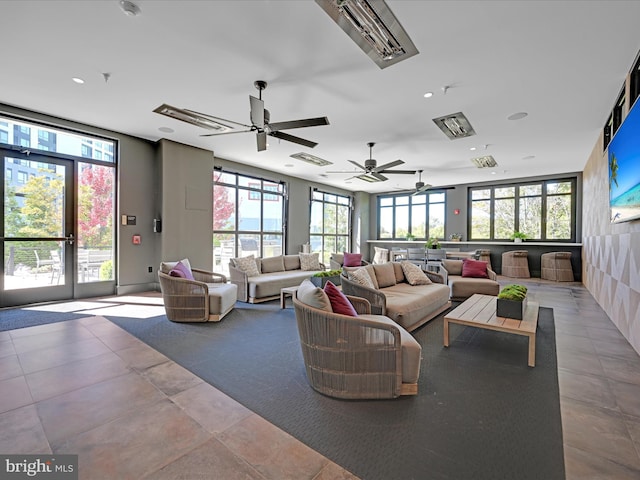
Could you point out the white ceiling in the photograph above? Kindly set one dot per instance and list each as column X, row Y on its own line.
column 562, row 62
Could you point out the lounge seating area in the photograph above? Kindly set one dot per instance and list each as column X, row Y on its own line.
column 466, row 277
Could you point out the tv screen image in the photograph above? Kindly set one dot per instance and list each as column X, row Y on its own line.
column 624, row 169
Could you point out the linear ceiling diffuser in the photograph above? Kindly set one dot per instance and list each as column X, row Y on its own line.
column 374, row 28
column 455, row 126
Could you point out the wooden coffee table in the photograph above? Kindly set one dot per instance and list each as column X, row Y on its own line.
column 480, row 311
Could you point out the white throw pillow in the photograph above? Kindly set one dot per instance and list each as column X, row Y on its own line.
column 309, row 261
column 361, row 277
column 414, row 274
column 248, row 265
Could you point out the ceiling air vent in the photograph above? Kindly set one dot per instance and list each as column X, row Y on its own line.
column 373, row 27
column 484, row 162
column 194, row 118
column 312, row 159
column 455, row 125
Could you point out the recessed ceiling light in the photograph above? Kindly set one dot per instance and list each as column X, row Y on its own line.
column 517, row 116
column 166, row 129
column 78, row 80
column 472, row 149
column 428, row 95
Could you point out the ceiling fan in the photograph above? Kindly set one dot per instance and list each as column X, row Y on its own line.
column 371, row 172
column 260, row 121
column 420, row 185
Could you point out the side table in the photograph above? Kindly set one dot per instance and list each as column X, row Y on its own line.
column 287, row 291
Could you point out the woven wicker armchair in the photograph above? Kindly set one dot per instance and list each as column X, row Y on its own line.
column 364, row 357
column 206, row 298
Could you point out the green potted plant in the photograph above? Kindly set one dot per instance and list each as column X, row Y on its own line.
column 432, row 243
column 411, row 237
column 321, row 278
column 518, row 236
column 512, row 301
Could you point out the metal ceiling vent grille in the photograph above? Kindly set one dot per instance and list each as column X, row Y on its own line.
column 373, row 27
column 484, row 162
column 455, row 125
column 194, row 118
column 312, row 159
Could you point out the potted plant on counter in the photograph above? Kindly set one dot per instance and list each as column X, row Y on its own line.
column 321, row 278
column 432, row 243
column 512, row 301
column 518, row 236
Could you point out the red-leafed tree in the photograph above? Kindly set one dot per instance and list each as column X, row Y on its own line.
column 95, row 206
column 223, row 209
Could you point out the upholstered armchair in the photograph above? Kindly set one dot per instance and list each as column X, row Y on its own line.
column 363, row 357
column 208, row 297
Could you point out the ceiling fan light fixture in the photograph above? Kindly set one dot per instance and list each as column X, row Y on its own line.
column 373, row 27
column 485, row 162
column 312, row 159
column 193, row 118
column 455, row 126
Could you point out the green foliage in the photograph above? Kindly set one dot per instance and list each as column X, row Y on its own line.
column 328, row 273
column 517, row 234
column 432, row 243
column 106, row 270
column 514, row 292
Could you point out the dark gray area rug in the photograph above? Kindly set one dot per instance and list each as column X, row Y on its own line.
column 11, row 319
column 481, row 412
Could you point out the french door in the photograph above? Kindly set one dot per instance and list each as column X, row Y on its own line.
column 36, row 228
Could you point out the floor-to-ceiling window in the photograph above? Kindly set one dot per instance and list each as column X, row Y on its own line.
column 419, row 216
column 57, row 218
column 248, row 214
column 543, row 210
column 330, row 225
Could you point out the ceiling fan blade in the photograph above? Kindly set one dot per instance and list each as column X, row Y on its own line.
column 291, row 138
column 388, row 165
column 369, row 177
column 401, row 172
column 357, row 165
column 261, row 138
column 257, row 111
column 307, row 122
column 382, row 178
column 342, row 171
column 249, row 129
column 421, row 189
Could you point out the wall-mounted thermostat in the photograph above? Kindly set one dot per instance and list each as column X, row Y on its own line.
column 128, row 219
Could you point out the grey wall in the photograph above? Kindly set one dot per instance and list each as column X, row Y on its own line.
column 186, row 203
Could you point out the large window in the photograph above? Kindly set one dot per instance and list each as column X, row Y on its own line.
column 330, row 226
column 248, row 215
column 541, row 210
column 420, row 216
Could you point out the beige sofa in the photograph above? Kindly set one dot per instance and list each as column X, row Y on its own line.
column 408, row 305
column 274, row 273
column 463, row 287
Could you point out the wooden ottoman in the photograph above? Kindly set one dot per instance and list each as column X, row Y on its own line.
column 556, row 266
column 516, row 264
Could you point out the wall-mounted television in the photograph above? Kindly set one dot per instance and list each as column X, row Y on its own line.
column 624, row 169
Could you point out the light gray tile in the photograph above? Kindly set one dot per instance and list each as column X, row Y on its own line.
column 586, row 388
column 22, row 432
column 171, row 378
column 15, row 393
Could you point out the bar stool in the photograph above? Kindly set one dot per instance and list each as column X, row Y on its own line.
column 516, row 264
column 556, row 266
column 484, row 256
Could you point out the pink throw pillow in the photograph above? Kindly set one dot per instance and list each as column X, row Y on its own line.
column 352, row 260
column 339, row 302
column 474, row 268
column 181, row 270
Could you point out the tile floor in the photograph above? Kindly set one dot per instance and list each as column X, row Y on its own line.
column 87, row 387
